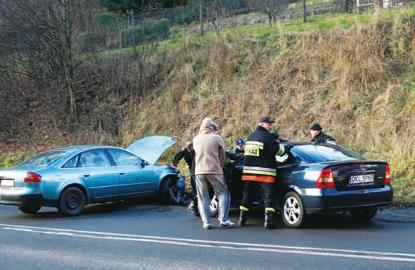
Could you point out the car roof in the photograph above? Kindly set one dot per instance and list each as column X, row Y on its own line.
column 80, row 148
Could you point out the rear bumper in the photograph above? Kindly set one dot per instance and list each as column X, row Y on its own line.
column 346, row 200
column 32, row 199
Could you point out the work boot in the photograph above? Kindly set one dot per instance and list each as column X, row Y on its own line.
column 243, row 216
column 270, row 222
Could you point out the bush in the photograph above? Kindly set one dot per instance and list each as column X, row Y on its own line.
column 91, row 41
column 108, row 21
column 151, row 30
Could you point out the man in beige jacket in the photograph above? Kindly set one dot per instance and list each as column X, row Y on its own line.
column 209, row 160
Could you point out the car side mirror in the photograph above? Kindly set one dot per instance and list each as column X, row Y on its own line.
column 144, row 163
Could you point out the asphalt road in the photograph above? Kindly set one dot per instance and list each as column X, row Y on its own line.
column 146, row 235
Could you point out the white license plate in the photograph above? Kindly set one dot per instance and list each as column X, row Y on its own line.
column 364, row 179
column 7, row 183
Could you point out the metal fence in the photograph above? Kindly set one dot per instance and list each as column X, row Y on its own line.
column 217, row 15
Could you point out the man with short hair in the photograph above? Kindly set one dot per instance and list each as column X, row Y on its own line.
column 188, row 153
column 318, row 136
column 209, row 160
column 260, row 169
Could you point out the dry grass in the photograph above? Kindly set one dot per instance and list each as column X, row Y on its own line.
column 357, row 83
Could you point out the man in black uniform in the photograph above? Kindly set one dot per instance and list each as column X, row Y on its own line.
column 260, row 170
column 318, row 136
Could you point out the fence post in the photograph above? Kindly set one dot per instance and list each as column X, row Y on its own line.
column 305, row 11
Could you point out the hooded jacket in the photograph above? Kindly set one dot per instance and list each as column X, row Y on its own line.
column 209, row 149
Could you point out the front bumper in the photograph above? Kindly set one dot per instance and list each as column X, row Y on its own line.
column 346, row 200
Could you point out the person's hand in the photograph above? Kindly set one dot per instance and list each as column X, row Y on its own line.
column 282, row 158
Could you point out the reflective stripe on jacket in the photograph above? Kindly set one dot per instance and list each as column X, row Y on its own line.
column 259, row 160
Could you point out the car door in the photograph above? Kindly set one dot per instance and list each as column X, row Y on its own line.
column 136, row 178
column 286, row 172
column 102, row 179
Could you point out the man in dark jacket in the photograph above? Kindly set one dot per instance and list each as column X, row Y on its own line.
column 188, row 153
column 260, row 169
column 318, row 136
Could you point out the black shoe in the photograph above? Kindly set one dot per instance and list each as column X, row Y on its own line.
column 243, row 216
column 196, row 212
column 270, row 222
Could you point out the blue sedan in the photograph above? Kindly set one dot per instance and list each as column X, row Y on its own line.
column 70, row 178
column 318, row 178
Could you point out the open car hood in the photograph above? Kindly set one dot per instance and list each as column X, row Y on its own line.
column 151, row 148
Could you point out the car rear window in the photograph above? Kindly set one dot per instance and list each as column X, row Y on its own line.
column 323, row 153
column 43, row 159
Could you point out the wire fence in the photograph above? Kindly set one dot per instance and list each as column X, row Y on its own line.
column 112, row 31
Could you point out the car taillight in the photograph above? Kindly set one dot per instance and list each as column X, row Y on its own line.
column 388, row 175
column 325, row 180
column 32, row 177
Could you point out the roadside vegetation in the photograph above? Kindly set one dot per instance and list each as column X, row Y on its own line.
column 352, row 73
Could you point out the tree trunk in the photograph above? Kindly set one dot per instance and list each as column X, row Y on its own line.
column 379, row 4
column 201, row 18
column 67, row 59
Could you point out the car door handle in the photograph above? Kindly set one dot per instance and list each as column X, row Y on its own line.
column 121, row 173
column 87, row 175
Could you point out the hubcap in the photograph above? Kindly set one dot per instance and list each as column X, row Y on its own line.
column 72, row 201
column 292, row 211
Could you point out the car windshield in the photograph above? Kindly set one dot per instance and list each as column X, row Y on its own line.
column 44, row 159
column 322, row 153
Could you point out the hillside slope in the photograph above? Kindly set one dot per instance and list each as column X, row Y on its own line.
column 357, row 79
column 357, row 82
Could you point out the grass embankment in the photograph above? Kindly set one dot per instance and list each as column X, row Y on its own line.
column 356, row 77
column 354, row 74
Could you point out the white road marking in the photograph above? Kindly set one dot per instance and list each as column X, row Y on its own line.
column 344, row 253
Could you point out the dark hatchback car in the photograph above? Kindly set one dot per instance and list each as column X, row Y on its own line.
column 317, row 178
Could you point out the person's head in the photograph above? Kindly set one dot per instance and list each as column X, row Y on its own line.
column 189, row 146
column 266, row 122
column 208, row 124
column 315, row 129
column 240, row 144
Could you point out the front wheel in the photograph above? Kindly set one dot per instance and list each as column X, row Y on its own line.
column 29, row 209
column 72, row 202
column 292, row 210
column 364, row 213
column 169, row 191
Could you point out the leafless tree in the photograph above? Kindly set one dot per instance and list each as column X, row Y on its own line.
column 379, row 4
column 40, row 41
column 270, row 7
column 202, row 8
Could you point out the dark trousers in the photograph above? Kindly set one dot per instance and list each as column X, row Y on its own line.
column 251, row 190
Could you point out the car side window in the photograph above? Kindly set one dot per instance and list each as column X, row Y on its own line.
column 71, row 163
column 94, row 158
column 124, row 158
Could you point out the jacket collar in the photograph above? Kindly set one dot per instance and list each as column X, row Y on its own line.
column 261, row 128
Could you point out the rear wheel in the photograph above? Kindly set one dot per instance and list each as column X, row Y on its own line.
column 169, row 191
column 29, row 209
column 292, row 210
column 72, row 201
column 364, row 213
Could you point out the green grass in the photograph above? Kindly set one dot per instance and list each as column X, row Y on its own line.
column 9, row 160
column 264, row 31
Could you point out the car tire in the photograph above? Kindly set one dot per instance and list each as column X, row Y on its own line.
column 292, row 210
column 364, row 213
column 29, row 209
column 168, row 191
column 72, row 201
